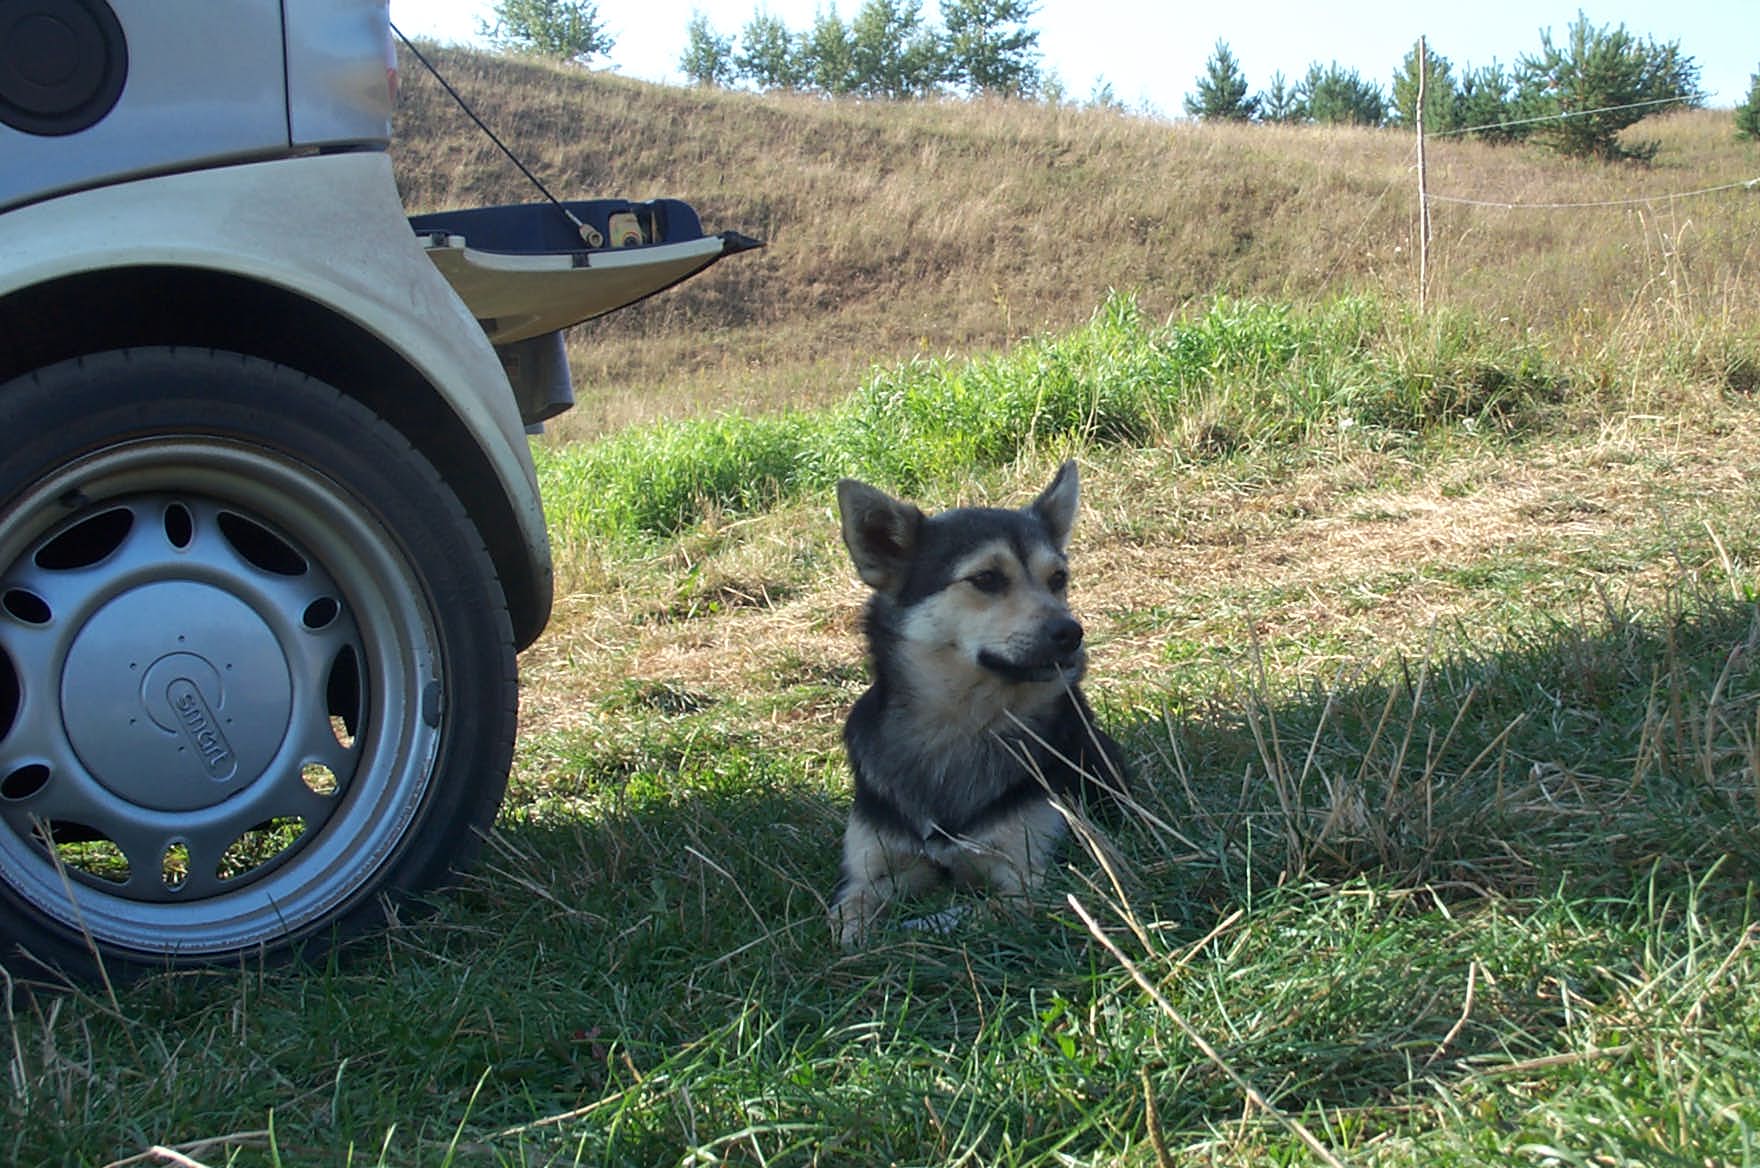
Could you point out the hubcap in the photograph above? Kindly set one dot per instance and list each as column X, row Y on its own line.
column 175, row 695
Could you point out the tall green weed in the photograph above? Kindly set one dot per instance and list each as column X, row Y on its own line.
column 1254, row 372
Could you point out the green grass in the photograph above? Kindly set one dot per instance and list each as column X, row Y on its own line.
column 1240, row 375
column 1481, row 892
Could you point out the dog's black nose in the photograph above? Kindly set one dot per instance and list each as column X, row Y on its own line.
column 1066, row 634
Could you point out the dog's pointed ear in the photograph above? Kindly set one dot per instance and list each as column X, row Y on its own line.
column 1056, row 504
column 880, row 532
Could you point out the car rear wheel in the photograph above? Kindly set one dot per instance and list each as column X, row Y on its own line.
column 257, row 677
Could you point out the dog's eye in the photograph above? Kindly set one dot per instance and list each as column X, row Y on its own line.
column 989, row 580
column 1058, row 580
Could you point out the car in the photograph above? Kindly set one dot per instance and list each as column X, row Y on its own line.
column 270, row 534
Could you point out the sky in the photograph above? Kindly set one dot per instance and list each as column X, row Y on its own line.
column 1151, row 52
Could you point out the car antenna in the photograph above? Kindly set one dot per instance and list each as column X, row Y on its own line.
column 589, row 234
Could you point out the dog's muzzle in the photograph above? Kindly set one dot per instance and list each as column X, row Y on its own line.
column 1056, row 655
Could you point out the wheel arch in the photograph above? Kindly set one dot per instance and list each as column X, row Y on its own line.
column 98, row 310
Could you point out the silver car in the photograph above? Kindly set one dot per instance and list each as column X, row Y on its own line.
column 269, row 532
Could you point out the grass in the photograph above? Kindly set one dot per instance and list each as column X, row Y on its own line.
column 1447, row 848
column 1433, row 641
column 639, row 975
column 1240, row 373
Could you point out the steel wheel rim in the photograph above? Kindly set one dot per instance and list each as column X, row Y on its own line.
column 146, row 703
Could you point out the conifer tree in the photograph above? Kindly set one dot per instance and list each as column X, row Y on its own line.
column 1334, row 94
column 1222, row 90
column 1441, row 101
column 1281, row 102
column 1604, row 80
column 1748, row 113
column 1486, row 105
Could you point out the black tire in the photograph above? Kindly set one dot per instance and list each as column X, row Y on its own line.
column 257, row 677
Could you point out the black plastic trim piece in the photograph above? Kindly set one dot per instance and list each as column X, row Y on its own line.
column 63, row 64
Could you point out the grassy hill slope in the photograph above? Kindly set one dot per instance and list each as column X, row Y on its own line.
column 897, row 229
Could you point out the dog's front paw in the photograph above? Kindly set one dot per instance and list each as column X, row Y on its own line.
column 940, row 923
column 851, row 918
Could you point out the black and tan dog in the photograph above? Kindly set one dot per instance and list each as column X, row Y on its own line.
column 975, row 723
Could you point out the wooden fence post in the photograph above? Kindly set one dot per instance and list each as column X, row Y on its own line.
column 1423, row 187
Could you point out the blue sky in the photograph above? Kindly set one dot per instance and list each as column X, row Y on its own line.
column 1152, row 53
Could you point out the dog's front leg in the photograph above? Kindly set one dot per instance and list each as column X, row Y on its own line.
column 1012, row 855
column 876, row 868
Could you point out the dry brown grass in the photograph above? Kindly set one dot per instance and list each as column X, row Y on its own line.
column 896, row 229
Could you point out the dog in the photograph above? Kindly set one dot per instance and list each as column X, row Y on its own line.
column 975, row 728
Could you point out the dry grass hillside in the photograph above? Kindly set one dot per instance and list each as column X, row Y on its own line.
column 896, row 229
